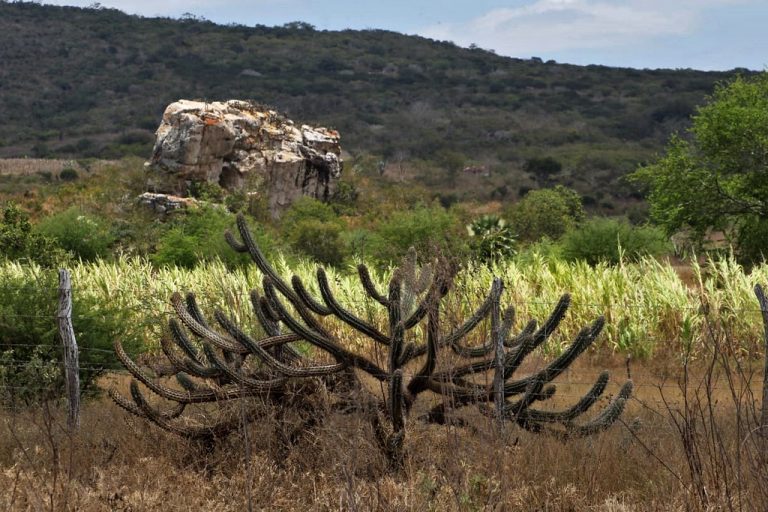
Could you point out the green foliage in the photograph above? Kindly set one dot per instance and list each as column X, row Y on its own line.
column 312, row 228
column 492, row 240
column 425, row 228
column 30, row 352
column 543, row 168
column 321, row 241
column 197, row 235
column 68, row 174
column 611, row 241
column 307, row 208
column 717, row 178
column 547, row 213
column 211, row 192
column 85, row 236
column 18, row 242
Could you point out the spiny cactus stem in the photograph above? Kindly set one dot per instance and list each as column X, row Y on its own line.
column 497, row 335
column 345, row 315
column 307, row 299
column 369, row 287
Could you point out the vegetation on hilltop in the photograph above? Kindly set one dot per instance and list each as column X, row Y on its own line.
column 94, row 82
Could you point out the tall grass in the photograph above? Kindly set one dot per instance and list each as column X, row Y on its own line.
column 650, row 309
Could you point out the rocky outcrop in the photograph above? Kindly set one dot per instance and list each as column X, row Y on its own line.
column 242, row 146
column 164, row 203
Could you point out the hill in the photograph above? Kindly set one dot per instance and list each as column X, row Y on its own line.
column 80, row 83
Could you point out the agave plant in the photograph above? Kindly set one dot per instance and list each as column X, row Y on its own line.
column 492, row 239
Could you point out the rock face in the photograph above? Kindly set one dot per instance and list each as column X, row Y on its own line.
column 242, row 146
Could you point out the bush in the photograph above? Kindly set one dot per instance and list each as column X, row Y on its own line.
column 197, row 235
column 313, row 229
column 426, row 228
column 546, row 213
column 18, row 242
column 30, row 353
column 319, row 240
column 610, row 240
column 68, row 174
column 85, row 236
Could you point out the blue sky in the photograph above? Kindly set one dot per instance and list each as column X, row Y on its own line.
column 699, row 34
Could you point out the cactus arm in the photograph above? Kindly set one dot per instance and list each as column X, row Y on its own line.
column 473, row 321
column 322, row 342
column 418, row 382
column 368, row 286
column 132, row 408
column 583, row 340
column 568, row 415
column 345, row 315
column 204, row 332
column 309, row 301
column 191, row 432
column 607, row 416
column 255, row 348
column 239, row 378
column 203, row 395
column 187, row 365
column 181, row 339
column 437, row 290
column 396, row 327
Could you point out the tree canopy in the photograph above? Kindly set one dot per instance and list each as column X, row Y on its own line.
column 715, row 176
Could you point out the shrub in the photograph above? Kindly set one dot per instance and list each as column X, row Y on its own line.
column 425, row 228
column 610, row 240
column 68, row 174
column 313, row 229
column 319, row 240
column 85, row 236
column 546, row 213
column 197, row 235
column 18, row 242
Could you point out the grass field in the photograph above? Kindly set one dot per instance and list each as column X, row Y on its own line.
column 118, row 462
column 652, row 309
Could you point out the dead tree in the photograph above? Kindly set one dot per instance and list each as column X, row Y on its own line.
column 225, row 364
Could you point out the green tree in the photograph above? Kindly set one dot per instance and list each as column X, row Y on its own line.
column 716, row 177
column 19, row 242
column 549, row 212
column 543, row 168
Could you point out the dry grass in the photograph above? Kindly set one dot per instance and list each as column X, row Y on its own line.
column 118, row 462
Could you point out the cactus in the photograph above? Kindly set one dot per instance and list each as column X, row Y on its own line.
column 226, row 364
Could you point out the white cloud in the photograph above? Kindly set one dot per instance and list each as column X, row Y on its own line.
column 545, row 26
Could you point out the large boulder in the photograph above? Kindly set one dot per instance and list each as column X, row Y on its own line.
column 243, row 146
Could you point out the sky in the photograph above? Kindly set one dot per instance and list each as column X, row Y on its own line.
column 698, row 34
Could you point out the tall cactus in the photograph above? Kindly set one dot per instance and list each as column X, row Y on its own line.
column 232, row 365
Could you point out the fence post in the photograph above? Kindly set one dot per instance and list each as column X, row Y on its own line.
column 764, row 311
column 498, row 340
column 67, row 336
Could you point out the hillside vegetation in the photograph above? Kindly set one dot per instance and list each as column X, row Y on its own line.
column 93, row 83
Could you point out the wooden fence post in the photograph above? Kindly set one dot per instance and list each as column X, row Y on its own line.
column 67, row 336
column 764, row 311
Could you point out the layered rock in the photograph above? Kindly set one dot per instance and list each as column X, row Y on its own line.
column 242, row 146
